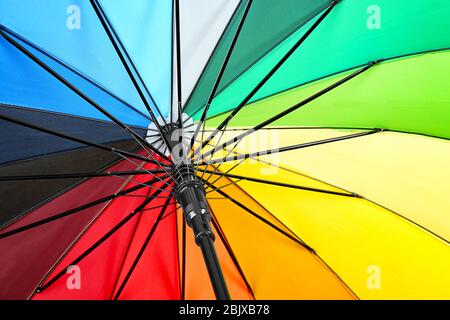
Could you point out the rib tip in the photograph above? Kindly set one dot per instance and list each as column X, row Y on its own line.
column 374, row 62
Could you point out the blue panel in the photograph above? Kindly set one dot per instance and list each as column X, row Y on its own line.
column 145, row 28
column 70, row 30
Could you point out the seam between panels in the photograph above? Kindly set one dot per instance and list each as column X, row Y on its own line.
column 127, row 251
column 245, row 128
column 77, row 238
column 172, row 60
column 295, row 172
column 62, row 152
column 337, row 73
column 390, row 59
column 313, row 253
column 67, row 115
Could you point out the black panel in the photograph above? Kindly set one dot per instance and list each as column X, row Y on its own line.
column 19, row 142
column 17, row 197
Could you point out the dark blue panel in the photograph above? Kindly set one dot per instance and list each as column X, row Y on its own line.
column 18, row 142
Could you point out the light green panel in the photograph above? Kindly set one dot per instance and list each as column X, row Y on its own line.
column 408, row 94
column 348, row 37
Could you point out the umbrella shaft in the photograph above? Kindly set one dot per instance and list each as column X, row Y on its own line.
column 213, row 266
column 191, row 196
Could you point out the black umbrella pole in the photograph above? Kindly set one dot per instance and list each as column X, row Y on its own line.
column 191, row 196
column 205, row 240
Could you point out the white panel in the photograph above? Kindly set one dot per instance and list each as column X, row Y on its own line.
column 202, row 24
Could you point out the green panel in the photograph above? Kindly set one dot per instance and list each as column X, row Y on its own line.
column 268, row 22
column 343, row 41
column 408, row 94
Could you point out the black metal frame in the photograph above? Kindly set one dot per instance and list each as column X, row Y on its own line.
column 189, row 189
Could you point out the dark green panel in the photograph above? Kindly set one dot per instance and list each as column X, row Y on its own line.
column 268, row 22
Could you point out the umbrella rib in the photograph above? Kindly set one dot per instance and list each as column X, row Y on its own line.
column 53, row 196
column 178, row 59
column 257, row 216
column 226, row 121
column 78, row 175
column 74, row 210
column 314, row 14
column 232, row 183
column 336, row 73
column 293, row 147
column 293, row 108
column 126, row 252
column 129, row 65
column 202, row 74
column 156, row 135
column 127, row 159
column 281, row 184
column 79, row 140
column 271, row 73
column 105, row 237
column 301, row 174
column 271, row 214
column 219, row 77
column 63, row 80
column 124, row 56
column 228, row 171
column 77, row 238
column 141, row 251
column 348, row 194
column 74, row 70
column 159, row 206
column 230, row 252
column 171, row 62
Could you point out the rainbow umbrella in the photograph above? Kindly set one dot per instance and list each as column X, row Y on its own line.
column 194, row 149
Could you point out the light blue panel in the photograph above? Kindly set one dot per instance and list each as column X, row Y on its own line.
column 125, row 113
column 70, row 30
column 24, row 83
column 145, row 28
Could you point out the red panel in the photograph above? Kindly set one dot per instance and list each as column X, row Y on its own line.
column 156, row 275
column 26, row 257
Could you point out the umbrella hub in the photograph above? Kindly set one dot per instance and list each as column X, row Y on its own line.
column 191, row 195
column 168, row 130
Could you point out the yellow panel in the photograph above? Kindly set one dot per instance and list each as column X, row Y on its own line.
column 256, row 169
column 377, row 253
column 407, row 173
column 263, row 139
column 275, row 266
column 227, row 186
